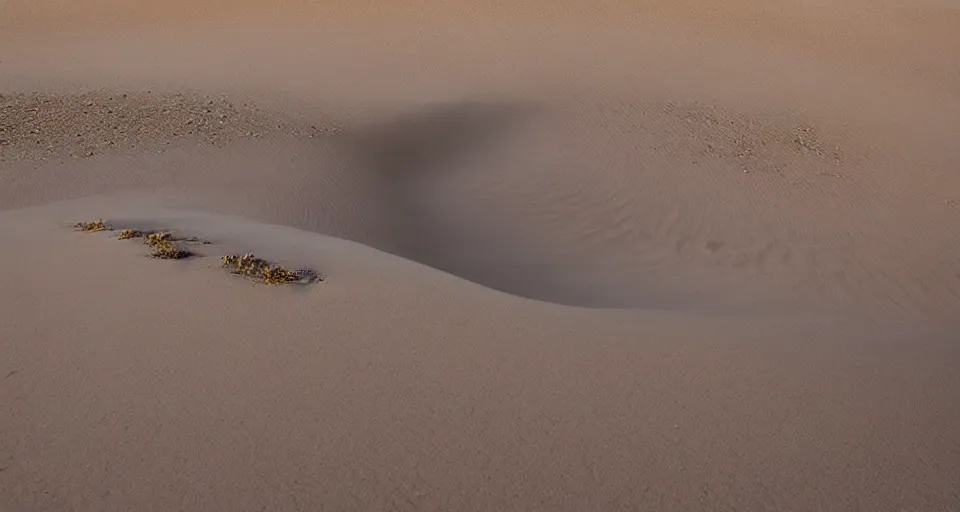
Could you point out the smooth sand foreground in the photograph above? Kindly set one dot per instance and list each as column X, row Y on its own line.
column 669, row 256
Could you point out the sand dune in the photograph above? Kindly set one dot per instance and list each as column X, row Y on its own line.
column 670, row 256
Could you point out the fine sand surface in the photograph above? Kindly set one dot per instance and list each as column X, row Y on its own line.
column 578, row 256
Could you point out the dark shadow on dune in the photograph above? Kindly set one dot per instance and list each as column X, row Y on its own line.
column 406, row 157
column 429, row 140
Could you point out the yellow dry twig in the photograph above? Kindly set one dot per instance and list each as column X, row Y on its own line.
column 163, row 243
column 164, row 247
column 91, row 227
column 133, row 233
column 252, row 267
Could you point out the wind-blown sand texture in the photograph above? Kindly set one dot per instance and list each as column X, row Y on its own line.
column 680, row 255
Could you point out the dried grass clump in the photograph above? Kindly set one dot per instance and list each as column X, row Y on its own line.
column 92, row 227
column 252, row 267
column 165, row 248
column 127, row 234
column 164, row 245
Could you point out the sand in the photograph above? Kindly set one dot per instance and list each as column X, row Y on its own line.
column 672, row 256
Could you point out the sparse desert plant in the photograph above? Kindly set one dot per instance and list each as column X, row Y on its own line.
column 165, row 248
column 127, row 234
column 92, row 227
column 252, row 267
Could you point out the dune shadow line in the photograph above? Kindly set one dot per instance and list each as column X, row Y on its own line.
column 404, row 157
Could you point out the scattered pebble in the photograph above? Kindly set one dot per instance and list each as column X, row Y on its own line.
column 77, row 125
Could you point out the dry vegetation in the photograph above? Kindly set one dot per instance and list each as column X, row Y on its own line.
column 91, row 227
column 252, row 267
column 164, row 245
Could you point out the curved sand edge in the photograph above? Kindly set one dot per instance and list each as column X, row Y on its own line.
column 133, row 383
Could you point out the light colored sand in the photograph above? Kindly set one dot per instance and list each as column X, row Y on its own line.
column 683, row 256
